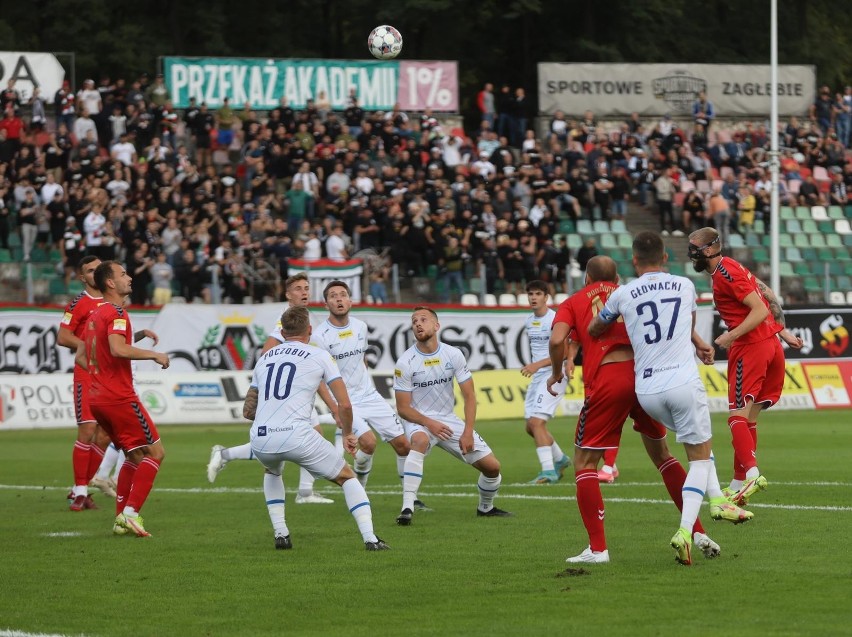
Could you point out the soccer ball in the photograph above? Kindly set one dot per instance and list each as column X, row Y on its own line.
column 385, row 42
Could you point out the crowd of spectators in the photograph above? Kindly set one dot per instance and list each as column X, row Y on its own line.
column 235, row 194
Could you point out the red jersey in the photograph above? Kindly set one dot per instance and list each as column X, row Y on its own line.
column 77, row 311
column 732, row 282
column 577, row 312
column 112, row 378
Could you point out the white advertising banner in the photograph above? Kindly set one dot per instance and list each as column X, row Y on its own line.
column 31, row 70
column 230, row 337
column 322, row 271
column 616, row 90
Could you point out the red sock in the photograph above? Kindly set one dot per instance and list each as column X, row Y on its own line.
column 674, row 476
column 142, row 483
column 609, row 457
column 752, row 429
column 96, row 456
column 80, row 460
column 743, row 442
column 590, row 503
column 122, row 488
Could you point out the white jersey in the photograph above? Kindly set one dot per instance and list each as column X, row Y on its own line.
column 538, row 330
column 286, row 379
column 429, row 378
column 657, row 309
column 347, row 346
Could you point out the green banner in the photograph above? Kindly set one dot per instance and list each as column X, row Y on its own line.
column 263, row 82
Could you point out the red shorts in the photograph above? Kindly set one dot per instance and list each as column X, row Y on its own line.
column 82, row 384
column 128, row 424
column 608, row 404
column 755, row 373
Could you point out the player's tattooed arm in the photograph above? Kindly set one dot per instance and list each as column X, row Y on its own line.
column 250, row 404
column 774, row 305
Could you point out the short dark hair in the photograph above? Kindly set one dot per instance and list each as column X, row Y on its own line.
column 425, row 309
column 103, row 273
column 541, row 286
column 648, row 248
column 295, row 321
column 335, row 284
column 86, row 260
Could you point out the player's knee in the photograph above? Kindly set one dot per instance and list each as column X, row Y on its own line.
column 400, row 445
column 489, row 466
column 367, row 442
column 345, row 474
column 420, row 442
column 86, row 431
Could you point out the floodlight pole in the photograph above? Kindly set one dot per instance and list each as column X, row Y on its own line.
column 774, row 160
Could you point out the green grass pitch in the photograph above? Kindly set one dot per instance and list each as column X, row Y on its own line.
column 211, row 568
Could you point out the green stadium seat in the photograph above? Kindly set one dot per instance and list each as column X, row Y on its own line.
column 792, row 254
column 14, row 240
column 760, row 255
column 812, row 284
column 5, row 255
column 676, row 268
column 626, row 271
column 575, row 241
column 835, row 212
column 625, row 240
column 766, row 240
column 584, row 226
column 608, row 241
column 801, row 240
column 833, row 241
column 566, row 226
column 785, row 240
column 803, row 212
column 75, row 287
column 843, row 282
column 702, row 285
column 793, row 226
column 809, row 254
column 826, row 227
column 785, row 268
column 848, row 211
column 617, row 254
column 617, row 226
column 786, row 212
column 825, row 254
column 759, row 226
column 847, row 240
column 810, row 226
column 842, row 254
column 38, row 255
column 736, row 240
column 847, row 268
column 802, row 268
column 752, row 240
column 57, row 287
column 817, row 240
column 600, row 226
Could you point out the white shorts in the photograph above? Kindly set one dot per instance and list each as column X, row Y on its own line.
column 306, row 448
column 315, row 418
column 539, row 402
column 451, row 446
column 375, row 412
column 682, row 409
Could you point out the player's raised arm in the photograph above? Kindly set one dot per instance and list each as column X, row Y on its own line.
column 250, row 404
column 558, row 335
column 468, row 392
column 756, row 315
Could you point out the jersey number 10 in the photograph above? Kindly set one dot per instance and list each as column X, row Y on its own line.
column 279, row 392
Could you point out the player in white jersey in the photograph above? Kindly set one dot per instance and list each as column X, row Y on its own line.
column 297, row 291
column 280, row 403
column 540, row 404
column 345, row 338
column 659, row 313
column 423, row 384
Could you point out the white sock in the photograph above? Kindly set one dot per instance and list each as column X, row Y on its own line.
column 488, row 488
column 545, row 457
column 80, row 489
column 118, row 463
column 338, row 441
column 556, row 452
column 412, row 476
column 273, row 491
column 363, row 465
column 735, row 485
column 400, row 466
column 714, row 490
column 606, row 468
column 752, row 473
column 326, row 419
column 107, row 464
column 694, row 488
column 359, row 507
column 242, row 452
column 306, row 482
column 130, row 512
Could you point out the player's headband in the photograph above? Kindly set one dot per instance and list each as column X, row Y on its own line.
column 695, row 252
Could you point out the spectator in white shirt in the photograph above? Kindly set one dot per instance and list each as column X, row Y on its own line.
column 89, row 98
column 335, row 246
column 124, row 151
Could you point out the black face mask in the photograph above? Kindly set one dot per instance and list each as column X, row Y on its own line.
column 696, row 255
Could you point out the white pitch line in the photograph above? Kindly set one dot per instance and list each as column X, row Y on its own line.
column 6, row 632
column 426, row 493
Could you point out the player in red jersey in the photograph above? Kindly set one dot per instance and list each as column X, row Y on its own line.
column 91, row 440
column 609, row 379
column 106, row 352
column 755, row 357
